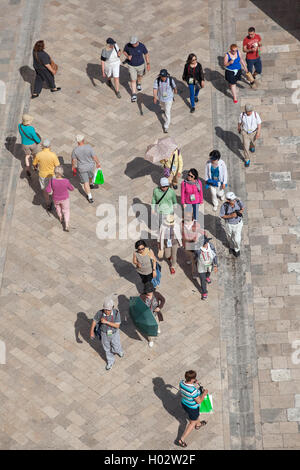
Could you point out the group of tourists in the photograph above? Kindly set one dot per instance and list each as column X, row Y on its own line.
column 187, row 232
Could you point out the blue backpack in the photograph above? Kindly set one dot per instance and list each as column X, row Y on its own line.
column 156, row 280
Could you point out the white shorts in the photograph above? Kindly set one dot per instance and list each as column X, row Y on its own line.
column 112, row 69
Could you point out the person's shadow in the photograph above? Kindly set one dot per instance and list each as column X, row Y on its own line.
column 94, row 72
column 139, row 167
column 231, row 140
column 127, row 325
column 82, row 328
column 218, row 81
column 171, row 403
column 28, row 75
column 127, row 271
column 146, row 101
column 213, row 224
column 183, row 92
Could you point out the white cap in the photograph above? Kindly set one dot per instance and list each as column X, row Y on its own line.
column 230, row 196
column 46, row 143
column 108, row 304
column 79, row 138
column 248, row 108
column 164, row 182
column 133, row 39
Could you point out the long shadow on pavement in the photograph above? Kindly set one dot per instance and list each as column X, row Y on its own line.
column 231, row 140
column 171, row 403
column 82, row 328
column 139, row 167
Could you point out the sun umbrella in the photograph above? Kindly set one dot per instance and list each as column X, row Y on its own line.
column 142, row 317
column 152, row 153
column 162, row 149
column 167, row 147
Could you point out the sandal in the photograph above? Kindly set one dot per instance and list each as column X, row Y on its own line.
column 182, row 443
column 202, row 423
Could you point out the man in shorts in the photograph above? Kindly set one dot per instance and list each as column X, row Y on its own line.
column 110, row 64
column 46, row 161
column 84, row 159
column 135, row 52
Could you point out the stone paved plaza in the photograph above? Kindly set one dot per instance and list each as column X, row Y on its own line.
column 245, row 340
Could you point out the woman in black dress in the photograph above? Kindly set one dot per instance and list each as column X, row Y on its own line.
column 194, row 76
column 44, row 70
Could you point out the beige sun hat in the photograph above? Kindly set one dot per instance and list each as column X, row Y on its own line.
column 26, row 119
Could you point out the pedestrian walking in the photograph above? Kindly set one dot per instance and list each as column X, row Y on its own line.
column 233, row 63
column 46, row 161
column 110, row 64
column 232, row 212
column 192, row 193
column 136, row 53
column 173, row 168
column 170, row 240
column 60, row 187
column 191, row 235
column 251, row 46
column 206, row 262
column 249, row 126
column 163, row 91
column 163, row 200
column 30, row 141
column 194, row 76
column 155, row 301
column 106, row 325
column 216, row 177
column 144, row 261
column 191, row 398
column 84, row 159
column 45, row 69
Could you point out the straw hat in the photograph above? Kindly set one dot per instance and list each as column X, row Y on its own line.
column 26, row 119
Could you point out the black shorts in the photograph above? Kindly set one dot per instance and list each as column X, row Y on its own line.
column 146, row 277
column 231, row 78
column 193, row 413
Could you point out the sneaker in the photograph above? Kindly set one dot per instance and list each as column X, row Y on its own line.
column 252, row 149
column 150, row 344
column 192, row 109
column 121, row 354
column 118, row 94
column 208, row 280
column 139, row 87
column 215, row 208
column 90, row 199
column 158, row 331
column 247, row 163
column 203, row 296
column 236, row 253
column 165, row 130
column 196, row 99
column 108, row 366
column 133, row 98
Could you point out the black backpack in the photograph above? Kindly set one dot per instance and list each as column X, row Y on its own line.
column 170, row 80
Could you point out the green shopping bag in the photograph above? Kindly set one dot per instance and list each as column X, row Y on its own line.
column 206, row 406
column 98, row 177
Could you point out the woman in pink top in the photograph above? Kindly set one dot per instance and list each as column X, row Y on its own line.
column 60, row 187
column 191, row 193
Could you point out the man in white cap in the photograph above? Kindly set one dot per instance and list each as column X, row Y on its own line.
column 163, row 200
column 250, row 127
column 232, row 212
column 106, row 325
column 163, row 91
column 84, row 159
column 46, row 161
column 134, row 52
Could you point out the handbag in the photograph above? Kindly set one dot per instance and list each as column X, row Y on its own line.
column 98, row 176
column 53, row 65
column 250, row 77
column 167, row 171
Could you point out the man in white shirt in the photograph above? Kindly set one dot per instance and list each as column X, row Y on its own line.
column 249, row 126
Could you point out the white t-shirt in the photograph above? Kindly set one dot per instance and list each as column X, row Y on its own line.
column 250, row 123
column 114, row 56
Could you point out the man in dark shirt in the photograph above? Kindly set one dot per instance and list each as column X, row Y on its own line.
column 135, row 52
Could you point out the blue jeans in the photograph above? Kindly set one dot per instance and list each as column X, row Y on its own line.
column 256, row 63
column 195, row 209
column 194, row 91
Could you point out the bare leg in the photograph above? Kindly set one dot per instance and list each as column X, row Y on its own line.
column 133, row 87
column 116, row 81
column 233, row 91
column 191, row 425
column 87, row 188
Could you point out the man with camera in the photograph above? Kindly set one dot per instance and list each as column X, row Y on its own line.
column 232, row 212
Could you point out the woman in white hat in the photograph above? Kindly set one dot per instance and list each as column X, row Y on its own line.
column 30, row 141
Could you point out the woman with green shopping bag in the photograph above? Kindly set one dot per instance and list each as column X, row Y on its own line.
column 191, row 398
